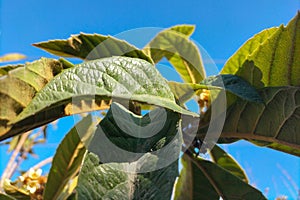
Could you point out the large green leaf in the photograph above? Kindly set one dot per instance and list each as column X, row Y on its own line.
column 181, row 52
column 236, row 61
column 224, row 160
column 268, row 61
column 202, row 179
column 68, row 158
column 273, row 60
column 133, row 133
column 275, row 125
column 19, row 85
column 107, row 181
column 92, row 46
column 118, row 77
column 192, row 184
column 139, row 139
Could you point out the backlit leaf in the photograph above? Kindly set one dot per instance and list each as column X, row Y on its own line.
column 181, row 52
column 117, row 77
column 91, row 47
column 224, row 160
column 202, row 179
column 270, row 58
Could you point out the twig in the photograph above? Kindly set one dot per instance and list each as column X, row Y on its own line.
column 9, row 167
column 40, row 164
column 16, row 164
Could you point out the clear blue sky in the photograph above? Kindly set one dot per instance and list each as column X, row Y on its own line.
column 222, row 26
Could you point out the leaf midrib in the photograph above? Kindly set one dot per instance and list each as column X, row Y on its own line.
column 280, row 30
column 211, row 181
column 65, row 175
column 250, row 136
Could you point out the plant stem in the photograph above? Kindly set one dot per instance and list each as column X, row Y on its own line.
column 10, row 167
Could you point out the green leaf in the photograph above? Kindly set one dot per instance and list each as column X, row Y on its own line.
column 107, row 181
column 185, row 29
column 67, row 159
column 274, row 125
column 268, row 61
column 20, row 84
column 192, row 183
column 225, row 161
column 236, row 61
column 133, row 133
column 182, row 53
column 6, row 197
column 139, row 141
column 66, row 63
column 118, row 77
column 91, row 47
column 275, row 62
column 202, row 179
column 5, row 69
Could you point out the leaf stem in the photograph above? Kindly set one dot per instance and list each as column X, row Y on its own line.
column 250, row 136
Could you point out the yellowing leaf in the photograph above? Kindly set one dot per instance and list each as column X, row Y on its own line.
column 12, row 57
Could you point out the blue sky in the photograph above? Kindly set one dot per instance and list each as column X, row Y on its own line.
column 221, row 28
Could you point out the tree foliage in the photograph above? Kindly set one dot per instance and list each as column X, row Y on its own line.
column 261, row 82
